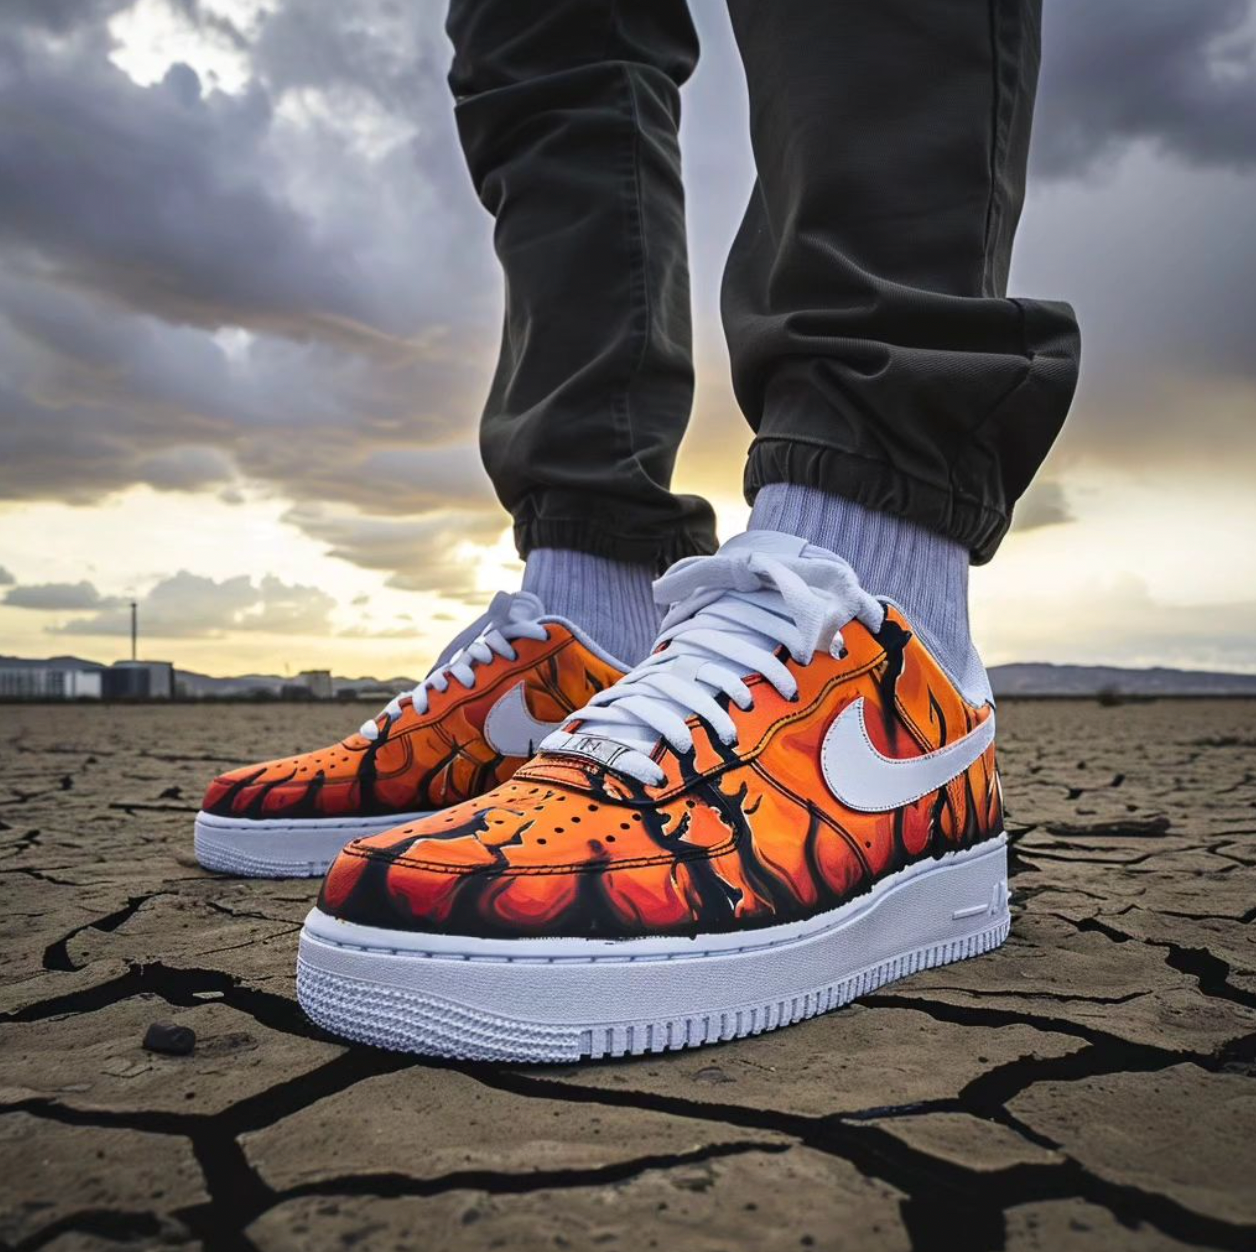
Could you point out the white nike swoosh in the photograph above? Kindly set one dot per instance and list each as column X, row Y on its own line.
column 865, row 780
column 510, row 728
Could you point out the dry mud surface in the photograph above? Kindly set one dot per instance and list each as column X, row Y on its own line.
column 1090, row 1085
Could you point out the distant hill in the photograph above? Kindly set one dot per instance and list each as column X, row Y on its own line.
column 1029, row 678
column 1038, row 678
column 53, row 662
column 201, row 685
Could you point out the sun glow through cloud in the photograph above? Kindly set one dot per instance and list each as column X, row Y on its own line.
column 152, row 35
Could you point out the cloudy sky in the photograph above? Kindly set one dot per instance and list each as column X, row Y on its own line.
column 248, row 309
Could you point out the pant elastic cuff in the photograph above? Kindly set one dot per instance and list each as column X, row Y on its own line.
column 876, row 485
column 656, row 551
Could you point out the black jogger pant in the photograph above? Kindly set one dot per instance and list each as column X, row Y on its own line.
column 874, row 350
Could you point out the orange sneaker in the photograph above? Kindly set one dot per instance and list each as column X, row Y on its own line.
column 787, row 805
column 506, row 683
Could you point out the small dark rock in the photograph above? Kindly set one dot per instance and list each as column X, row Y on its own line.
column 174, row 1040
column 712, row 1074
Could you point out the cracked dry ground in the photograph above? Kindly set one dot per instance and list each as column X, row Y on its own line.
column 1090, row 1085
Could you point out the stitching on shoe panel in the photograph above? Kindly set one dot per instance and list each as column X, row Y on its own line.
column 578, row 867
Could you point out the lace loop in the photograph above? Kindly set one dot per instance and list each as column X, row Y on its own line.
column 729, row 616
column 507, row 617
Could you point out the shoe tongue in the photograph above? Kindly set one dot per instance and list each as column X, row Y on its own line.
column 768, row 542
column 773, row 543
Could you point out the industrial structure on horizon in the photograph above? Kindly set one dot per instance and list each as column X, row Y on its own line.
column 69, row 678
column 81, row 680
column 72, row 679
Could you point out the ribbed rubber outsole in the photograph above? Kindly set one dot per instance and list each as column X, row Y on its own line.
column 387, row 1017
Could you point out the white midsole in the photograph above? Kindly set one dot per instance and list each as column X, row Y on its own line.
column 280, row 847
column 355, row 827
column 593, row 982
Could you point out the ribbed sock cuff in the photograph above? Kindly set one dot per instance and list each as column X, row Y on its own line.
column 612, row 601
column 924, row 572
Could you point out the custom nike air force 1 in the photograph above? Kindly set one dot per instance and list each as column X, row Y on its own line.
column 787, row 805
column 501, row 687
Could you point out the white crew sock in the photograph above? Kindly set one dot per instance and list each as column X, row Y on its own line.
column 610, row 600
column 923, row 572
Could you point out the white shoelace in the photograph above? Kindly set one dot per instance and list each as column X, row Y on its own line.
column 508, row 617
column 730, row 613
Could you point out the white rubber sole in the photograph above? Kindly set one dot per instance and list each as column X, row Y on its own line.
column 564, row 999
column 291, row 848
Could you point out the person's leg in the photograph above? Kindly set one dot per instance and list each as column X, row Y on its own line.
column 792, row 798
column 901, row 402
column 568, row 116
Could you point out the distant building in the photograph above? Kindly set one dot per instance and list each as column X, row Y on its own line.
column 49, row 682
column 373, row 695
column 139, row 680
column 318, row 681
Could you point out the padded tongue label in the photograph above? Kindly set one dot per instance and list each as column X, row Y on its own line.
column 604, row 752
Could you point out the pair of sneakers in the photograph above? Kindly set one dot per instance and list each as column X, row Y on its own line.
column 538, row 856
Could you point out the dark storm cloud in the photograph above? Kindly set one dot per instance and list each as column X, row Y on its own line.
column 380, row 50
column 197, row 14
column 94, row 403
column 61, row 17
column 1179, row 74
column 156, row 198
column 1159, row 265
column 283, row 286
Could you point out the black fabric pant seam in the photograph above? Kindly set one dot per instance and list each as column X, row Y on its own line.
column 639, row 270
column 996, row 102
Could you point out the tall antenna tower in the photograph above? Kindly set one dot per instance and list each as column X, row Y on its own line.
column 135, row 630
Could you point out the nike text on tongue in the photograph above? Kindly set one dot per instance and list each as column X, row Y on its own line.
column 729, row 615
column 508, row 617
